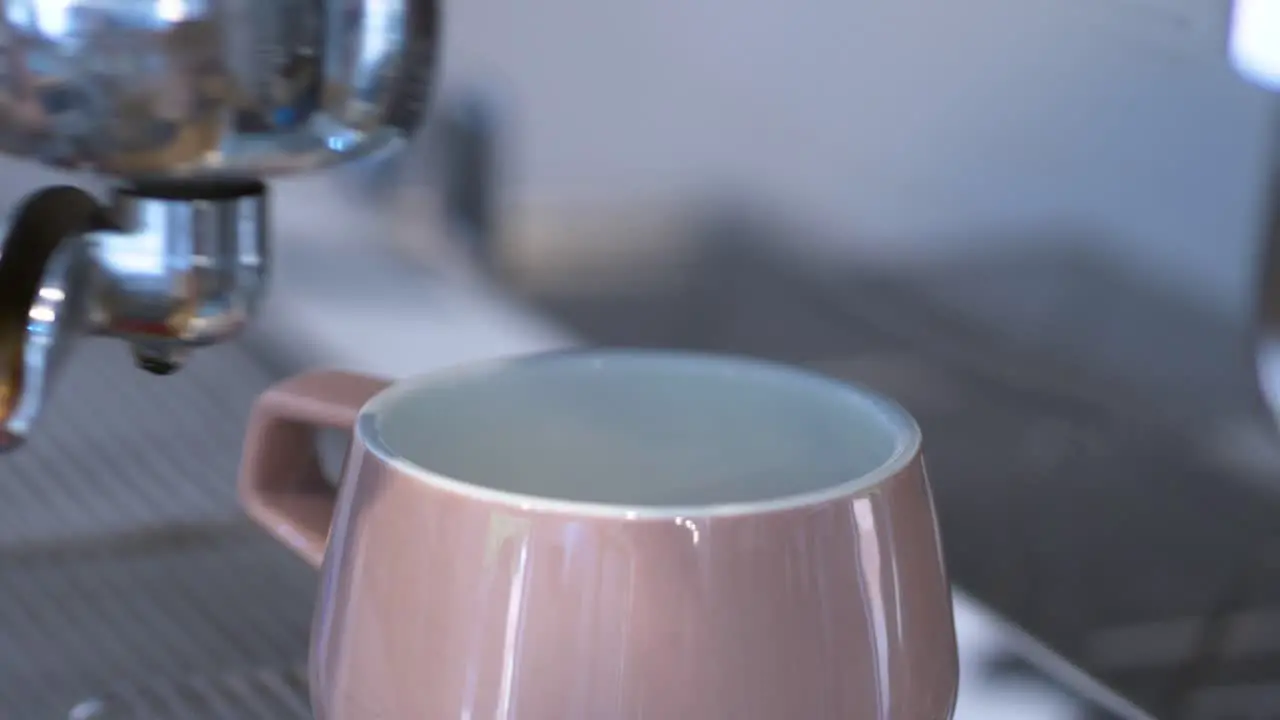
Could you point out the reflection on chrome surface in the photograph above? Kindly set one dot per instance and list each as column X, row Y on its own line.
column 198, row 87
column 188, row 105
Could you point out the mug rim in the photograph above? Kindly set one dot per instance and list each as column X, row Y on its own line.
column 905, row 429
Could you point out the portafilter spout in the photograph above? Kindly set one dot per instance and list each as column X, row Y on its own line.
column 188, row 106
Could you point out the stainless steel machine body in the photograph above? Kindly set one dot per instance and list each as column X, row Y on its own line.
column 187, row 106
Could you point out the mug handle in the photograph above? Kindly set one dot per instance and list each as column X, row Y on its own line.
column 281, row 483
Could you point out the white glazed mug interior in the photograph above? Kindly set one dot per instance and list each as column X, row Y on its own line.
column 639, row 431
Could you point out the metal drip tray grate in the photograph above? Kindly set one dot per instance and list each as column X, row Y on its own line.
column 119, row 449
column 124, row 559
column 270, row 694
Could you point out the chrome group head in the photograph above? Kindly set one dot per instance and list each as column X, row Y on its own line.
column 187, row 106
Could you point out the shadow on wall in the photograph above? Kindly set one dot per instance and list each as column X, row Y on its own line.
column 1042, row 297
column 1086, row 310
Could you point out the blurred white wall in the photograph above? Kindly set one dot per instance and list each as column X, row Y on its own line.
column 911, row 124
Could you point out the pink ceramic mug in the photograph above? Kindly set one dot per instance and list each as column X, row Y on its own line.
column 611, row 535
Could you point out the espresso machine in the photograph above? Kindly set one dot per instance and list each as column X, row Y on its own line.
column 186, row 108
